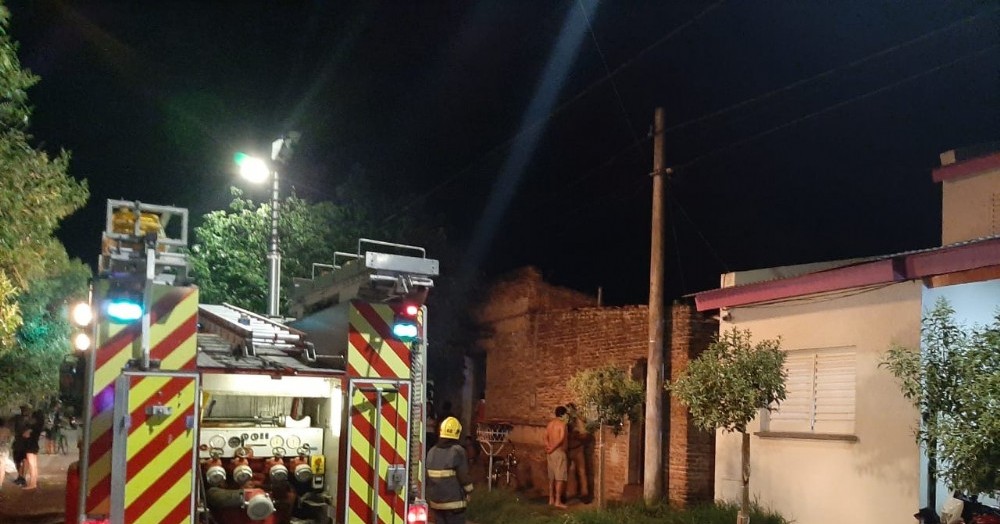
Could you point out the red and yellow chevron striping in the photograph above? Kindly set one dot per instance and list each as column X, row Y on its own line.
column 173, row 342
column 378, row 439
column 372, row 351
column 158, row 454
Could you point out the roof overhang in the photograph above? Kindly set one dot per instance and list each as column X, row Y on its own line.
column 966, row 168
column 831, row 280
column 898, row 268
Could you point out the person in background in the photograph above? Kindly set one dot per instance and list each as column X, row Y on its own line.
column 479, row 417
column 555, row 449
column 19, row 425
column 6, row 440
column 57, row 435
column 472, row 446
column 432, row 426
column 49, row 447
column 576, row 451
column 31, row 435
column 446, row 410
column 448, row 481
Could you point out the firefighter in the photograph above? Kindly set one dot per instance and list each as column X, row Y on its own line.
column 448, row 482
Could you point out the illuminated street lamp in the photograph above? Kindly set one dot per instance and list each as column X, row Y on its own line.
column 257, row 170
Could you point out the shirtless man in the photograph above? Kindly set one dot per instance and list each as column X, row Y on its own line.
column 555, row 449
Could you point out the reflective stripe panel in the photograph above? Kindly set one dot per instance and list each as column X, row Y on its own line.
column 173, row 341
column 458, row 504
column 372, row 350
column 159, row 451
column 440, row 473
column 368, row 448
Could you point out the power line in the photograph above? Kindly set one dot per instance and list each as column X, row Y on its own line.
column 677, row 251
column 607, row 72
column 708, row 244
column 825, row 74
column 559, row 109
column 769, row 94
column 830, row 108
column 697, row 230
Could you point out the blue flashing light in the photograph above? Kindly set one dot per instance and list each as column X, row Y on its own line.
column 124, row 310
column 405, row 331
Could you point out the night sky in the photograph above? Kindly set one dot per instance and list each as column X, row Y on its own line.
column 799, row 131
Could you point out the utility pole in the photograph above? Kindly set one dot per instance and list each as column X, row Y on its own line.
column 652, row 482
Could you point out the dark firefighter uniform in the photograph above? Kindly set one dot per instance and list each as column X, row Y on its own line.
column 448, row 482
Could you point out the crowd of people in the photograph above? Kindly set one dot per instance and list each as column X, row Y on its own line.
column 27, row 434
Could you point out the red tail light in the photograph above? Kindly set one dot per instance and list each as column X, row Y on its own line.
column 417, row 514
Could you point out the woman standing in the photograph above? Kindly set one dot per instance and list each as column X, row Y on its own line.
column 31, row 435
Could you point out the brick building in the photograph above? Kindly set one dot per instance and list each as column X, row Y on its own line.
column 541, row 335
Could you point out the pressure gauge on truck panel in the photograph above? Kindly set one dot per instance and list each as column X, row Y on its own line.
column 293, row 442
column 277, row 441
column 217, row 441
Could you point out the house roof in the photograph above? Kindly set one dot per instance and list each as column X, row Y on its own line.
column 899, row 267
column 967, row 167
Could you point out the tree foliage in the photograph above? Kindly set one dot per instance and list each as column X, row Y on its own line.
column 728, row 384
column 229, row 257
column 29, row 372
column 36, row 276
column 954, row 380
column 612, row 393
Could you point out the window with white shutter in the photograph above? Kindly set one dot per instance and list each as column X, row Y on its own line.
column 820, row 393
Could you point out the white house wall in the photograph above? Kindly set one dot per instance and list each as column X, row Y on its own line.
column 871, row 481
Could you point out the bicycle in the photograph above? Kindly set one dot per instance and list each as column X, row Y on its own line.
column 504, row 472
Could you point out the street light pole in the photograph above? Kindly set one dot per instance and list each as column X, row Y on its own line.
column 274, row 252
column 257, row 170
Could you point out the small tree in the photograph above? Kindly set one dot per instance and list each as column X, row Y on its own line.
column 612, row 393
column 728, row 384
column 954, row 380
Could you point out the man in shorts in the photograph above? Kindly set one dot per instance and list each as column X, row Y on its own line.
column 555, row 449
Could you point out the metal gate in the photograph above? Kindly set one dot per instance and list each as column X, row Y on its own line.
column 378, row 451
column 152, row 456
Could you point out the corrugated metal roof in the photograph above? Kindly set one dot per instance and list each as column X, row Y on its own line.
column 717, row 294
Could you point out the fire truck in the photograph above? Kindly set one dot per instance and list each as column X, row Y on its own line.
column 209, row 413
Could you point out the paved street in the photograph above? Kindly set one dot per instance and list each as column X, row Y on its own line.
column 45, row 505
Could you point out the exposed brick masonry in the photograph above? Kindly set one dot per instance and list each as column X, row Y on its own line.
column 691, row 460
column 542, row 335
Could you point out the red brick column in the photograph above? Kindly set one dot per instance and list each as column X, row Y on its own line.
column 691, row 459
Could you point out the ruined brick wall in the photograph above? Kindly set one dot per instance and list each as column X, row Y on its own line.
column 527, row 372
column 540, row 337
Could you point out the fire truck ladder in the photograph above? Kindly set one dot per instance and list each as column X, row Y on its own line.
column 256, row 335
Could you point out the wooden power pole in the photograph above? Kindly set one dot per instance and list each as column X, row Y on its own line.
column 652, row 482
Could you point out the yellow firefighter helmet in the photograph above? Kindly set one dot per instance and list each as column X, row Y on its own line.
column 451, row 428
